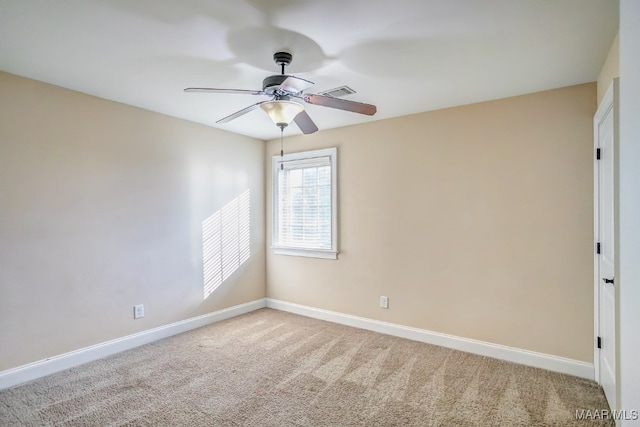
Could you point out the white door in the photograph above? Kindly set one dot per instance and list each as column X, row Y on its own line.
column 605, row 134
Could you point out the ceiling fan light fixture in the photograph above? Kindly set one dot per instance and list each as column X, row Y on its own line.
column 282, row 112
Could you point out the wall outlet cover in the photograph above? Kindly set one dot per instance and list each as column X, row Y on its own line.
column 138, row 311
column 384, row 302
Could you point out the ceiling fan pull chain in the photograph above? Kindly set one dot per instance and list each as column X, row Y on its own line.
column 282, row 148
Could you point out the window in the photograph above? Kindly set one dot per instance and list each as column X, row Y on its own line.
column 304, row 204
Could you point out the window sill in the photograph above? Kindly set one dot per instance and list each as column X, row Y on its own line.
column 309, row 253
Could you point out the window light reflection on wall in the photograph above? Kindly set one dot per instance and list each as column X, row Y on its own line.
column 226, row 241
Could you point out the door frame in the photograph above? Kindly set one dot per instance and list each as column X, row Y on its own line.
column 608, row 102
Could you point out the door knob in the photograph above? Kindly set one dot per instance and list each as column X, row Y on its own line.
column 607, row 280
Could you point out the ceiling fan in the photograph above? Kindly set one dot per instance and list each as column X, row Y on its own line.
column 283, row 90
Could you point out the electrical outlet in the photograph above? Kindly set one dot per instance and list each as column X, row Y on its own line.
column 384, row 302
column 138, row 311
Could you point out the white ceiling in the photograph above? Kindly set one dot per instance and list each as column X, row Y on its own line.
column 405, row 56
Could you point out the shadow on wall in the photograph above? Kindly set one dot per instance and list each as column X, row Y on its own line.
column 226, row 238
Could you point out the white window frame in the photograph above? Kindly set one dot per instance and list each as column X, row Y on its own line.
column 332, row 153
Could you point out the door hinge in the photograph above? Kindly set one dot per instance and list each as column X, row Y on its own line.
column 599, row 342
column 597, row 154
column 598, row 247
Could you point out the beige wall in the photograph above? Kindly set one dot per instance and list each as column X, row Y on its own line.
column 101, row 206
column 610, row 68
column 476, row 221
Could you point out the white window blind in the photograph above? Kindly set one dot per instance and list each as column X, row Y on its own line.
column 304, row 211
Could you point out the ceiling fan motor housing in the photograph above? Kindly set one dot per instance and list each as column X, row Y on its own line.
column 272, row 83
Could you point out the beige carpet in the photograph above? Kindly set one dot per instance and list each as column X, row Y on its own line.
column 270, row 368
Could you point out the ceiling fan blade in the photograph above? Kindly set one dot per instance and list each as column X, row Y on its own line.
column 294, row 84
column 340, row 104
column 240, row 113
column 305, row 123
column 214, row 90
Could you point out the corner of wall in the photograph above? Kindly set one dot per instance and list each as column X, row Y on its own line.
column 610, row 68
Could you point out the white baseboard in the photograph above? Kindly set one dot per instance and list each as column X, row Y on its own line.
column 31, row 371
column 497, row 351
column 48, row 366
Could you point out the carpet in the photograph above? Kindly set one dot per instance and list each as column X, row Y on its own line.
column 271, row 368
